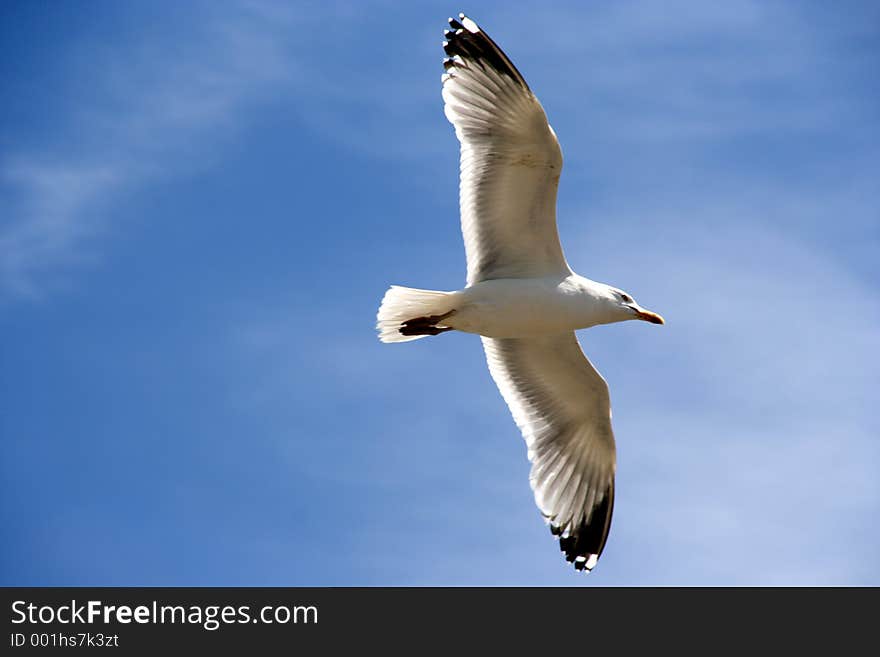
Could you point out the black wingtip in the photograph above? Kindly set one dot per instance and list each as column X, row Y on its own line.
column 583, row 546
column 477, row 46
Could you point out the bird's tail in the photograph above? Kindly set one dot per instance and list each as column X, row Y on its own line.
column 409, row 314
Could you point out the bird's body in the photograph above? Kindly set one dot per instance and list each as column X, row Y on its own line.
column 521, row 295
column 525, row 307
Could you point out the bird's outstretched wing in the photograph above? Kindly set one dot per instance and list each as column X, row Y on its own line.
column 561, row 405
column 510, row 161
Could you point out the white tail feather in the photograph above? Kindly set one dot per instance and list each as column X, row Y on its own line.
column 404, row 303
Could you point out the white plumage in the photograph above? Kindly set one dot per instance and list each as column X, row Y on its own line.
column 510, row 166
column 521, row 295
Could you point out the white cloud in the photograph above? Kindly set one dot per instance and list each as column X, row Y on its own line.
column 55, row 199
column 159, row 107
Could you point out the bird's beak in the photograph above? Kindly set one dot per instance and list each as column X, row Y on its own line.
column 648, row 316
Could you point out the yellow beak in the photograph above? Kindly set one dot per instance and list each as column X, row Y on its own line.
column 648, row 316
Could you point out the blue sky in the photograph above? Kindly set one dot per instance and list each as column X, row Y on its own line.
column 201, row 207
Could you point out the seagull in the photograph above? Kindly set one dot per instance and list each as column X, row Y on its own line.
column 521, row 296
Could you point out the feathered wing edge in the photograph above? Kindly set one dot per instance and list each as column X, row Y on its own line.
column 561, row 405
column 584, row 545
column 510, row 161
column 468, row 41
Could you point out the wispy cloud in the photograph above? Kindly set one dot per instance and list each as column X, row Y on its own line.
column 161, row 106
column 54, row 202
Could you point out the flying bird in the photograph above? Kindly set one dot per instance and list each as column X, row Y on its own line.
column 521, row 296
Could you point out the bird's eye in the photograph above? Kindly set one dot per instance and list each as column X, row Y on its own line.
column 625, row 297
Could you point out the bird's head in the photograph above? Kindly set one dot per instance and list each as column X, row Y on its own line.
column 625, row 307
